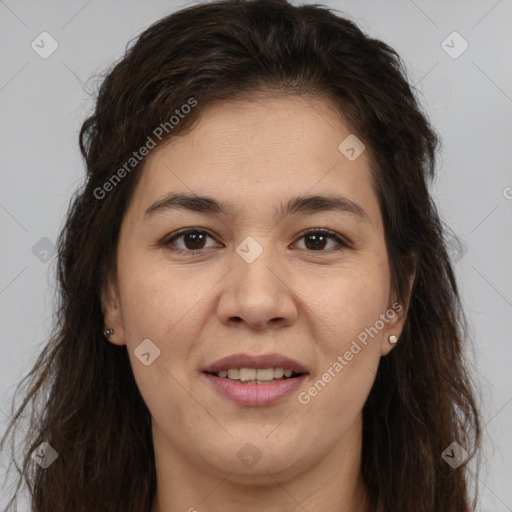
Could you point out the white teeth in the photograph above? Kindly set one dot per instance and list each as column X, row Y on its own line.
column 278, row 373
column 265, row 374
column 253, row 374
column 233, row 373
column 247, row 374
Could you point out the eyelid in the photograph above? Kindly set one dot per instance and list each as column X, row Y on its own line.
column 343, row 242
column 166, row 242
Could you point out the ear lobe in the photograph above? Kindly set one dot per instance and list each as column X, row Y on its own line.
column 112, row 314
column 395, row 326
column 397, row 314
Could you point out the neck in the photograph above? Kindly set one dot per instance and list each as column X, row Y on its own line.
column 331, row 484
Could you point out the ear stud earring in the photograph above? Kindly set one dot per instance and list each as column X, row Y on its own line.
column 108, row 333
column 393, row 339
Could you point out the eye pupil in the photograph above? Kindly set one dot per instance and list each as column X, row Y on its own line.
column 194, row 241
column 319, row 239
column 195, row 237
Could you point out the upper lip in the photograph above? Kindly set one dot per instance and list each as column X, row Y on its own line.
column 260, row 361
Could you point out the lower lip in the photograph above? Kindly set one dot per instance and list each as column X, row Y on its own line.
column 255, row 394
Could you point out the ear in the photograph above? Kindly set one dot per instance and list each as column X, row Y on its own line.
column 112, row 314
column 397, row 313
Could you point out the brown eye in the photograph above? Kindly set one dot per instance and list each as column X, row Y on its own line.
column 193, row 240
column 317, row 240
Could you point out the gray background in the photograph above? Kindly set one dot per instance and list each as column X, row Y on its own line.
column 468, row 98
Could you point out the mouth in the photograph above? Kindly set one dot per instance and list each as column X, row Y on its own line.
column 254, row 392
column 282, row 366
column 256, row 380
column 256, row 375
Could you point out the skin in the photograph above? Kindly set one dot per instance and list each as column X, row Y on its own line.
column 308, row 304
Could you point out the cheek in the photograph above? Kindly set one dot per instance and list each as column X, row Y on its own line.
column 347, row 311
column 346, row 301
column 162, row 307
column 158, row 301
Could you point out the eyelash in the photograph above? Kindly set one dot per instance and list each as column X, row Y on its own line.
column 321, row 231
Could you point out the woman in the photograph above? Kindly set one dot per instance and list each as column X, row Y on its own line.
column 257, row 308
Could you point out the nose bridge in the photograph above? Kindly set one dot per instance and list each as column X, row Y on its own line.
column 256, row 258
column 256, row 291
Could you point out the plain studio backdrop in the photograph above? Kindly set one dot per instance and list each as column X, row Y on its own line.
column 458, row 55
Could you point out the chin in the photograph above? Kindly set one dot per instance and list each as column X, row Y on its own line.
column 251, row 465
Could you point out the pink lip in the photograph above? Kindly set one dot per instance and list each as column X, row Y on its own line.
column 260, row 361
column 255, row 394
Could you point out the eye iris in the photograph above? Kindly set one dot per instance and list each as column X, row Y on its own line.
column 195, row 238
column 319, row 239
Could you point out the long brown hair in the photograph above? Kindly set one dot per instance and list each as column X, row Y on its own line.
column 83, row 396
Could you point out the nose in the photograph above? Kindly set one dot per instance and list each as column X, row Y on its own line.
column 258, row 294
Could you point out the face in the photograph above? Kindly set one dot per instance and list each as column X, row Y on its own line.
column 255, row 278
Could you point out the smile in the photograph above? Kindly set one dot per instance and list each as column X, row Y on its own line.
column 255, row 392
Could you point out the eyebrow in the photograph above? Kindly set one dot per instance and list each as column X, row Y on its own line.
column 296, row 205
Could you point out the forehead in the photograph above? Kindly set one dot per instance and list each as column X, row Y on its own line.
column 259, row 152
